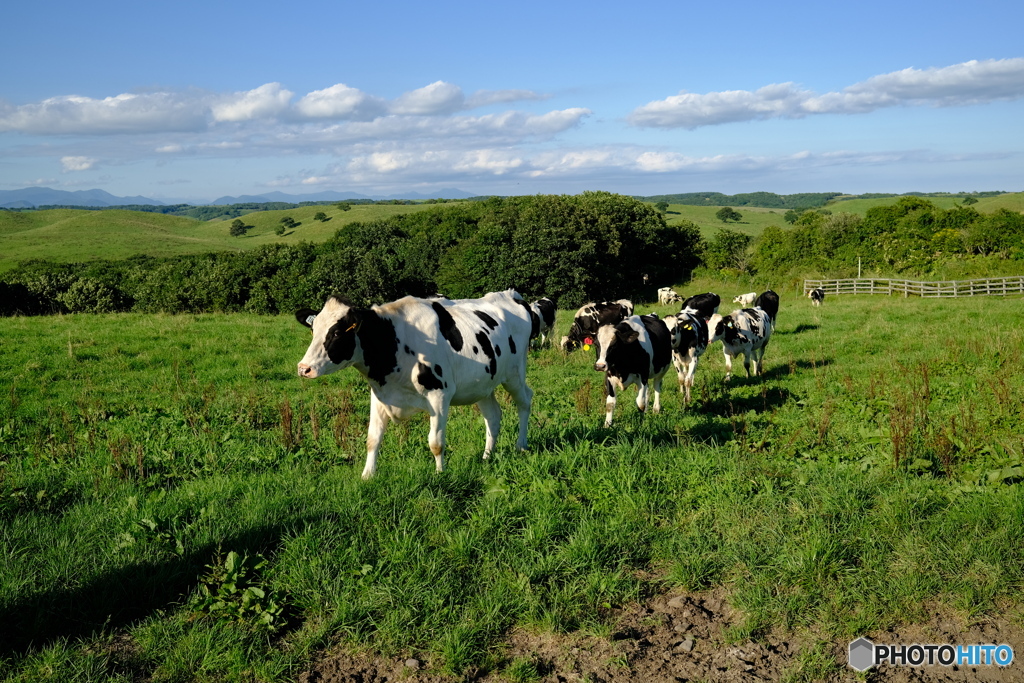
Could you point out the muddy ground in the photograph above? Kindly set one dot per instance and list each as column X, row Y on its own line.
column 679, row 638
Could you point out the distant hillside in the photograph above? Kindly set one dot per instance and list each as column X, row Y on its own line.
column 30, row 197
column 337, row 197
column 765, row 200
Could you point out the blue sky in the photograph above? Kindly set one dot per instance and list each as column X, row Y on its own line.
column 193, row 100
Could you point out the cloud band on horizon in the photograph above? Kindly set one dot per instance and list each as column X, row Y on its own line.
column 972, row 82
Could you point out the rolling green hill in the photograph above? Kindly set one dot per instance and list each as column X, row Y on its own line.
column 71, row 235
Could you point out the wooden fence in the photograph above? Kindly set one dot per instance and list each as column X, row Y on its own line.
column 999, row 286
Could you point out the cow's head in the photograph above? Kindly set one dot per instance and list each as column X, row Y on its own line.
column 678, row 327
column 335, row 344
column 609, row 337
column 718, row 326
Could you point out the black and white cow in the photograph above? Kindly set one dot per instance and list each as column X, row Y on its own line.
column 705, row 304
column 690, row 340
column 746, row 332
column 637, row 350
column 592, row 316
column 745, row 300
column 817, row 296
column 768, row 301
column 667, row 295
column 427, row 355
column 544, row 309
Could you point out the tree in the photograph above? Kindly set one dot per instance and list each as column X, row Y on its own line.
column 238, row 228
column 320, row 216
column 344, row 206
column 728, row 249
column 727, row 213
column 969, row 200
column 662, row 207
column 791, row 216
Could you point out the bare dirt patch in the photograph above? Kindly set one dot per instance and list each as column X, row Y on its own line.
column 681, row 637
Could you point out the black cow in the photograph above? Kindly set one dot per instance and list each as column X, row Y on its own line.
column 768, row 302
column 544, row 309
column 591, row 317
column 705, row 304
column 817, row 296
column 637, row 350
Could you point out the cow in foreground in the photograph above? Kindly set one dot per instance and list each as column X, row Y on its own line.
column 817, row 296
column 746, row 332
column 705, row 304
column 690, row 339
column 544, row 309
column 592, row 316
column 745, row 300
column 637, row 350
column 423, row 355
column 667, row 295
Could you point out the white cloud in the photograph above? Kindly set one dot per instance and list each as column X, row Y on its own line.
column 76, row 163
column 267, row 101
column 483, row 98
column 340, row 102
column 437, row 98
column 170, row 149
column 127, row 113
column 973, row 82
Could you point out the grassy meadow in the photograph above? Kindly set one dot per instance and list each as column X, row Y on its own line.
column 176, row 504
column 67, row 235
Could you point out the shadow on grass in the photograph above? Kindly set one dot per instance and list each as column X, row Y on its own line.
column 115, row 599
column 802, row 327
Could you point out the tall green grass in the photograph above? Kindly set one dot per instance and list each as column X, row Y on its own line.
column 874, row 467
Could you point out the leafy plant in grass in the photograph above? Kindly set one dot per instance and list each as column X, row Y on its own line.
column 235, row 591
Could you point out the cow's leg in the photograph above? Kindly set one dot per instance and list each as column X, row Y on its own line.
column 746, row 361
column 728, row 365
column 439, row 408
column 760, row 358
column 379, row 419
column 642, row 391
column 491, row 411
column 680, row 363
column 657, row 394
column 523, row 396
column 609, row 403
column 691, row 370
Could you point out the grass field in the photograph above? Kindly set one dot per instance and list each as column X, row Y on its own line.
column 65, row 235
column 175, row 504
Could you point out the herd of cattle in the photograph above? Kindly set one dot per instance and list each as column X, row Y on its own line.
column 426, row 355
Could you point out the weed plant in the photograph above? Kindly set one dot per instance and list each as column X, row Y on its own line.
column 156, row 469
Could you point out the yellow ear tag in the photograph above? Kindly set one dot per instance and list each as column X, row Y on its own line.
column 586, row 347
column 351, row 327
column 688, row 327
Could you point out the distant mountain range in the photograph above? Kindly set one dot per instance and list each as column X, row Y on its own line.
column 31, row 197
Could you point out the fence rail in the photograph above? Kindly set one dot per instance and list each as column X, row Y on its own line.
column 999, row 286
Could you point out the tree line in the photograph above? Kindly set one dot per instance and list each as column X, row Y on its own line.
column 570, row 248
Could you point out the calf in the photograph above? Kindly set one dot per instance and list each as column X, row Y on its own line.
column 592, row 316
column 667, row 295
column 768, row 301
column 637, row 350
column 817, row 296
column 426, row 355
column 690, row 340
column 544, row 309
column 745, row 300
column 745, row 331
column 705, row 304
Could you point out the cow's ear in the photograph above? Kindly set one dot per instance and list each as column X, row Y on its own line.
column 306, row 316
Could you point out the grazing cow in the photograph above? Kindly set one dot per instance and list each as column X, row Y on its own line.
column 745, row 331
column 544, row 309
column 427, row 355
column 667, row 295
column 690, row 340
column 705, row 304
column 637, row 350
column 745, row 300
column 768, row 301
column 817, row 296
column 592, row 316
